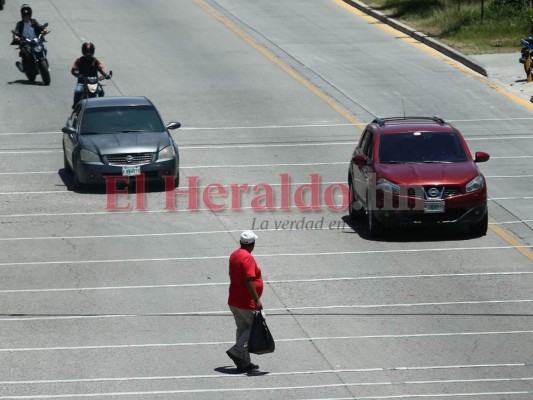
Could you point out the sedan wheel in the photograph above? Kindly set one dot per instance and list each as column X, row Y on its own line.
column 77, row 184
column 66, row 166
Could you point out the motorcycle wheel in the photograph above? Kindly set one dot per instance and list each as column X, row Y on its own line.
column 44, row 70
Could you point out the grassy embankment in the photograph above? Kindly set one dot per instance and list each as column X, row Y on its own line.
column 459, row 23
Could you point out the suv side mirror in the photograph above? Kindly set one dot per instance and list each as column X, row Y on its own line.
column 481, row 156
column 360, row 160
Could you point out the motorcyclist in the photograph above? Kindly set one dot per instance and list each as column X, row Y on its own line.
column 28, row 28
column 87, row 65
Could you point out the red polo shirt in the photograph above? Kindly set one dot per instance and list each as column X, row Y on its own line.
column 242, row 265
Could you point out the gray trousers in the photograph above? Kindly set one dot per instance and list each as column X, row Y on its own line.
column 243, row 320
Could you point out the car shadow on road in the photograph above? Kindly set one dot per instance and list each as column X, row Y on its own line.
column 410, row 232
column 68, row 179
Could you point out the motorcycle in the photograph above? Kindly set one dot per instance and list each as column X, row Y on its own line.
column 35, row 61
column 527, row 50
column 91, row 85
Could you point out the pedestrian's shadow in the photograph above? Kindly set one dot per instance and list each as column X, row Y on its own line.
column 233, row 371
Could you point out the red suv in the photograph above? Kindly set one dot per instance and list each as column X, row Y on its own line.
column 416, row 170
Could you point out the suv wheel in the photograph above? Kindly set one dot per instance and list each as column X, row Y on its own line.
column 480, row 228
column 355, row 208
column 375, row 228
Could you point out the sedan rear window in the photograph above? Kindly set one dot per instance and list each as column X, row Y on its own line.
column 421, row 147
column 121, row 119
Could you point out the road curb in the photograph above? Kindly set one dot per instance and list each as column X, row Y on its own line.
column 421, row 37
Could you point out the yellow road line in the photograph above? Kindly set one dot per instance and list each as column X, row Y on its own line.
column 512, row 240
column 291, row 72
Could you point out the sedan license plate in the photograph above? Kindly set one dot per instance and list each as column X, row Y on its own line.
column 434, row 207
column 131, row 170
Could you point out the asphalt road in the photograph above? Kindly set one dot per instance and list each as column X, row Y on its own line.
column 131, row 303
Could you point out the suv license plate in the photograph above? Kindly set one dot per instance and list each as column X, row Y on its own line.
column 131, row 170
column 434, row 207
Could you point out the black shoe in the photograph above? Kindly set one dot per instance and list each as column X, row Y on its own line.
column 249, row 367
column 236, row 360
column 20, row 66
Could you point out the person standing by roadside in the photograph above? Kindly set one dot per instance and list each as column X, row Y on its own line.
column 246, row 287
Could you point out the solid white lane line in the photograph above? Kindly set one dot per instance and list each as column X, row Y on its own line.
column 224, row 343
column 266, row 145
column 163, row 211
column 211, row 146
column 271, row 374
column 316, row 280
column 184, row 188
column 223, row 128
column 4, row 239
column 318, row 254
column 262, row 165
column 215, row 128
column 70, row 193
column 510, row 198
column 211, row 167
column 19, row 317
column 281, row 388
column 345, row 228
column 425, row 396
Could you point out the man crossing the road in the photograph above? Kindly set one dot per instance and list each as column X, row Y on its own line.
column 246, row 287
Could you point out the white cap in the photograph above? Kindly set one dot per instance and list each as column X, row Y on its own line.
column 248, row 237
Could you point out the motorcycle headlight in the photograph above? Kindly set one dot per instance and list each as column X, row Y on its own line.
column 387, row 187
column 167, row 153
column 475, row 184
column 89, row 156
column 92, row 87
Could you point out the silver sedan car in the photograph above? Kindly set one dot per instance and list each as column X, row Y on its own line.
column 121, row 137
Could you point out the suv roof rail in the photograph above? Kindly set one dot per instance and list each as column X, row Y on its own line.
column 382, row 121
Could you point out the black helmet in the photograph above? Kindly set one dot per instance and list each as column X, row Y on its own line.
column 25, row 9
column 87, row 49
